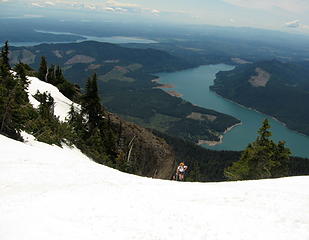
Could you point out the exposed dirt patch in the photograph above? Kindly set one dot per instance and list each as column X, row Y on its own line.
column 174, row 93
column 165, row 86
column 80, row 59
column 94, row 66
column 112, row 61
column 240, row 61
column 117, row 73
column 121, row 69
column 69, row 52
column 261, row 79
column 201, row 117
column 57, row 54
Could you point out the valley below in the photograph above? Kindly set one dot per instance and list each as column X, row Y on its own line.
column 194, row 85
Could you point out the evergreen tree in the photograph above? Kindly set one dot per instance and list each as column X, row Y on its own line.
column 59, row 78
column 50, row 78
column 282, row 157
column 43, row 69
column 261, row 159
column 91, row 105
column 5, row 56
column 14, row 102
column 54, row 76
column 47, row 105
column 194, row 173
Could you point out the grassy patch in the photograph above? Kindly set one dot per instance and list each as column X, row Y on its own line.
column 119, row 73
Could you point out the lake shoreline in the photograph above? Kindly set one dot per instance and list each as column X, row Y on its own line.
column 197, row 91
column 174, row 93
column 166, row 86
column 221, row 137
column 266, row 114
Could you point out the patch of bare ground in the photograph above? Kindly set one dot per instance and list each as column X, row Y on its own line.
column 156, row 80
column 121, row 69
column 69, row 52
column 211, row 143
column 240, row 61
column 57, row 54
column 112, row 61
column 174, row 93
column 165, row 86
column 201, row 117
column 261, row 79
column 80, row 59
column 94, row 66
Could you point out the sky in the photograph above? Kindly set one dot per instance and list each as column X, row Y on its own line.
column 284, row 15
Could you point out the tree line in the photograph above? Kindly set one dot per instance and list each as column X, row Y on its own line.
column 89, row 127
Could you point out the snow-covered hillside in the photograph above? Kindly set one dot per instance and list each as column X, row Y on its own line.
column 51, row 193
column 62, row 103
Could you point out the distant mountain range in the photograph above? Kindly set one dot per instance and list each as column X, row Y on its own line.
column 125, row 76
column 272, row 87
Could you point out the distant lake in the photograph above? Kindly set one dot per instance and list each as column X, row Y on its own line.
column 194, row 85
column 113, row 39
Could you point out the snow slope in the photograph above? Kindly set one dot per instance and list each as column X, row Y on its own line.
column 59, row 194
column 62, row 103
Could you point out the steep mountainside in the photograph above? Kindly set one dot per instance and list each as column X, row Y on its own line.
column 278, row 89
column 152, row 156
column 125, row 76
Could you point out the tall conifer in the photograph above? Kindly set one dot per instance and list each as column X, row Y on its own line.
column 43, row 69
column 91, row 105
column 5, row 55
column 261, row 159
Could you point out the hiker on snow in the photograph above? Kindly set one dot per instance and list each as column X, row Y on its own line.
column 180, row 172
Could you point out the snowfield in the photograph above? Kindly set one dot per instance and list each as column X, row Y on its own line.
column 59, row 194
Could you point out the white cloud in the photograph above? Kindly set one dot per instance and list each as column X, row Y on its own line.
column 50, row 3
column 287, row 5
column 296, row 24
column 116, row 3
column 293, row 24
column 155, row 11
column 35, row 4
column 110, row 9
column 90, row 6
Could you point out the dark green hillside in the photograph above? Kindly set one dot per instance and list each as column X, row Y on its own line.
column 101, row 56
column 281, row 90
column 124, row 75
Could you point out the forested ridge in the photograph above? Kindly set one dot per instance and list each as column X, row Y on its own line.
column 284, row 96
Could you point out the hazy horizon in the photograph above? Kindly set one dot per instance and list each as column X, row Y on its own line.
column 285, row 15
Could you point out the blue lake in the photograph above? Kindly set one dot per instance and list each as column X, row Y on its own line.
column 113, row 39
column 194, row 84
